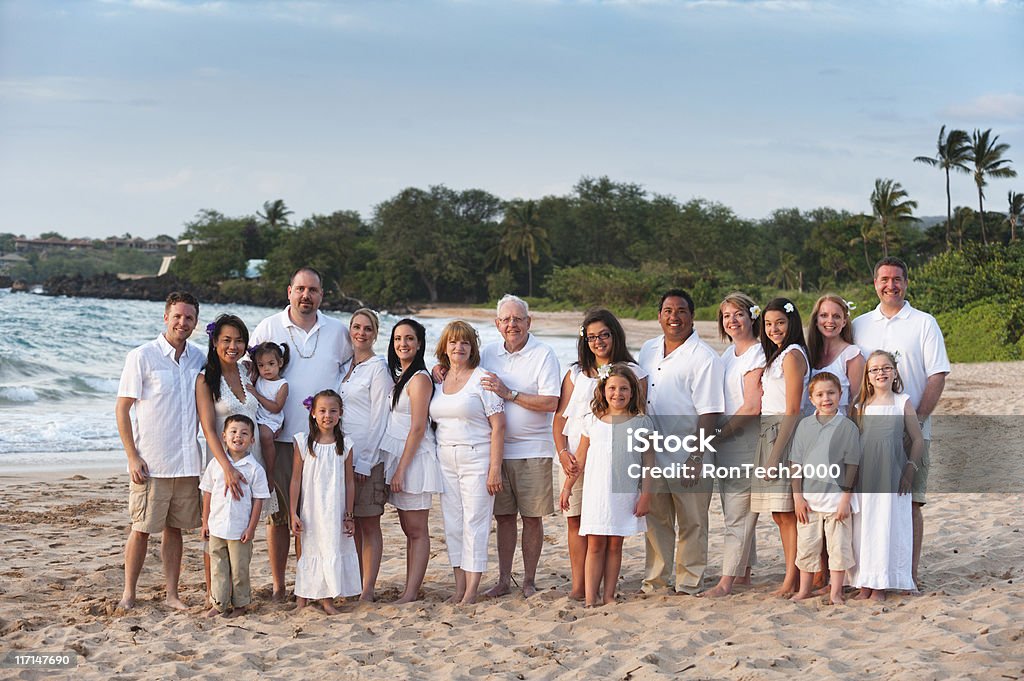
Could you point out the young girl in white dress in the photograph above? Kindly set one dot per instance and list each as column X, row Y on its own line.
column 322, row 478
column 269, row 360
column 783, row 385
column 883, row 536
column 616, row 496
column 830, row 348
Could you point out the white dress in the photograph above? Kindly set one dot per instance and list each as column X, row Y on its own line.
column 883, row 531
column 329, row 566
column 424, row 472
column 229, row 405
column 609, row 492
column 838, row 369
column 269, row 390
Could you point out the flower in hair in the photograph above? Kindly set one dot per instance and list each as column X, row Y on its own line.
column 850, row 305
column 583, row 332
column 251, row 350
column 308, row 403
column 604, row 371
column 210, row 328
column 788, row 307
column 755, row 311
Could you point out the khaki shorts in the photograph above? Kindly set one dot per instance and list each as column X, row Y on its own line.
column 526, row 488
column 282, row 480
column 165, row 502
column 371, row 495
column 838, row 538
column 920, row 484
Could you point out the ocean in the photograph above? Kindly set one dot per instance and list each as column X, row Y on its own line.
column 61, row 359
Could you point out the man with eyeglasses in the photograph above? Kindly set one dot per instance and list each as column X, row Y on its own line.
column 527, row 376
column 913, row 337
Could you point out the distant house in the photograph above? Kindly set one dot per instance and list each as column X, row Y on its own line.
column 157, row 245
column 26, row 245
column 10, row 260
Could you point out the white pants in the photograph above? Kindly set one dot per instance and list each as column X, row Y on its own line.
column 466, row 505
column 739, row 551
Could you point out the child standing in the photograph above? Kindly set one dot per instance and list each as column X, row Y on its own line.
column 230, row 524
column 271, row 391
column 323, row 478
column 884, row 533
column 614, row 505
column 825, row 456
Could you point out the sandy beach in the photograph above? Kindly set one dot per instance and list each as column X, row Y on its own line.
column 61, row 566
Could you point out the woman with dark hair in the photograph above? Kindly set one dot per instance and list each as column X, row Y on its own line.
column 602, row 341
column 409, row 451
column 223, row 391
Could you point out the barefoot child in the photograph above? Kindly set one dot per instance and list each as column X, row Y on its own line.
column 884, row 532
column 269, row 360
column 825, row 456
column 228, row 523
column 614, row 505
column 323, row 478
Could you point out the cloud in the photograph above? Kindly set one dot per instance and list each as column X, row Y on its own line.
column 172, row 6
column 1001, row 107
column 159, row 184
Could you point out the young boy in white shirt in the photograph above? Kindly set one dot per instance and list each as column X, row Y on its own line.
column 230, row 524
column 825, row 456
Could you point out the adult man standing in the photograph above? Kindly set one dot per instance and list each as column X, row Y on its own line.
column 685, row 395
column 320, row 351
column 526, row 375
column 164, row 460
column 916, row 341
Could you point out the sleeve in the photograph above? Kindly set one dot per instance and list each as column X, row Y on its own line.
column 259, row 486
column 492, row 404
column 933, row 349
column 207, row 483
column 798, row 452
column 380, row 388
column 549, row 383
column 638, row 371
column 300, row 440
column 586, row 424
column 261, row 333
column 709, row 385
column 851, row 444
column 131, row 376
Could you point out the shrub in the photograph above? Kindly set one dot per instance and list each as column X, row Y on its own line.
column 987, row 331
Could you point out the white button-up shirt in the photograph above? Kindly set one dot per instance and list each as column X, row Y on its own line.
column 165, row 424
column 533, row 370
column 916, row 340
column 317, row 361
column 229, row 516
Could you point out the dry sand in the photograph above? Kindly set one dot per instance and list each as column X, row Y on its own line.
column 61, row 575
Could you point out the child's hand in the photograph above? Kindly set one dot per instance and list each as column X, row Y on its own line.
column 843, row 510
column 247, row 535
column 801, row 507
column 348, row 527
column 906, row 480
column 205, row 532
column 563, row 498
column 296, row 524
column 643, row 505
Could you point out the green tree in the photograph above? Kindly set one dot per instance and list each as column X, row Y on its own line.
column 218, row 252
column 986, row 154
column 953, row 154
column 328, row 243
column 275, row 214
column 891, row 205
column 786, row 275
column 1016, row 208
column 963, row 217
column 53, row 235
column 522, row 235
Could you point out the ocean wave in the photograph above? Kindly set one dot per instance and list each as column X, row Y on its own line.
column 104, row 386
column 18, row 393
column 27, row 433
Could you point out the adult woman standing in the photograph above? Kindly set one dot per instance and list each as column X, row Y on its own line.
column 738, row 317
column 471, row 439
column 830, row 347
column 410, row 454
column 602, row 341
column 364, row 393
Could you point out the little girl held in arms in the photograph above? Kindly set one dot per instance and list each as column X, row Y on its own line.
column 322, row 476
column 614, row 500
column 271, row 390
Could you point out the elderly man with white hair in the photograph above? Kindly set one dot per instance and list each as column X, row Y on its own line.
column 526, row 374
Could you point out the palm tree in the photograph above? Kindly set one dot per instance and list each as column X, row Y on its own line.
column 522, row 234
column 1016, row 201
column 786, row 275
column 987, row 156
column 962, row 215
column 953, row 154
column 890, row 205
column 275, row 213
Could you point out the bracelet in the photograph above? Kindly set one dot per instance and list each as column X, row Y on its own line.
column 916, row 467
column 350, row 515
column 846, row 488
column 564, row 449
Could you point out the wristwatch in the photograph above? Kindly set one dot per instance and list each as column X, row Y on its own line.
column 513, row 395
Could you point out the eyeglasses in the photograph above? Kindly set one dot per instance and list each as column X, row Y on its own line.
column 880, row 370
column 603, row 336
column 511, row 320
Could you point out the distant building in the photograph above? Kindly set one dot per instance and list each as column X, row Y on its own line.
column 10, row 260
column 26, row 245
column 158, row 245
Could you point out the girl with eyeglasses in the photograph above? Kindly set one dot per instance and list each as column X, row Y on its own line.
column 602, row 341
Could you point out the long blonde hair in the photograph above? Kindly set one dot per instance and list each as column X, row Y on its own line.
column 867, row 391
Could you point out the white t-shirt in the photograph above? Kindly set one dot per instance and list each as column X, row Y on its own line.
column 533, row 370
column 165, row 426
column 736, row 367
column 916, row 340
column 686, row 383
column 317, row 361
column 462, row 418
column 365, row 399
column 229, row 516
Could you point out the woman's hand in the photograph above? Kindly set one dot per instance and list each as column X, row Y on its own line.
column 398, row 479
column 494, row 480
column 296, row 524
column 348, row 527
column 643, row 505
column 570, row 466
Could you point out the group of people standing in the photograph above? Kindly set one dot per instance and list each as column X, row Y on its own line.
column 307, row 427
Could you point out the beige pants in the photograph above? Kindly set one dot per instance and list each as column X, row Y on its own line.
column 229, row 573
column 687, row 509
column 838, row 537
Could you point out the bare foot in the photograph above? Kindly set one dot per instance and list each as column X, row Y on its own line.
column 577, row 596
column 499, row 589
column 468, row 600
column 329, row 608
column 126, row 604
column 837, row 599
column 878, row 595
column 212, row 612
column 801, row 596
column 454, row 600
column 743, row 581
column 237, row 612
column 300, row 603
column 280, row 596
column 368, row 598
column 406, row 599
column 782, row 592
column 717, row 591
column 175, row 602
column 862, row 595
column 529, row 590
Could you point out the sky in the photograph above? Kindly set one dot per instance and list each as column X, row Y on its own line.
column 133, row 115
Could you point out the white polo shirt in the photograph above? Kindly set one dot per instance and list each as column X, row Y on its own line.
column 165, row 424
column 916, row 340
column 317, row 361
column 533, row 370
column 680, row 386
column 229, row 516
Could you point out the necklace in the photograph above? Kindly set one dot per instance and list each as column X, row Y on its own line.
column 296, row 345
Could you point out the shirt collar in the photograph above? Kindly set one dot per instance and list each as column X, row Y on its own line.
column 832, row 422
column 529, row 341
column 686, row 348
column 168, row 350
column 286, row 320
column 902, row 314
